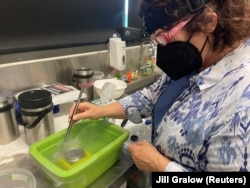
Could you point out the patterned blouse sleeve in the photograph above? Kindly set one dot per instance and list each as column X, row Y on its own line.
column 140, row 104
column 228, row 146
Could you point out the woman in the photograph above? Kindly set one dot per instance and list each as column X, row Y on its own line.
column 201, row 106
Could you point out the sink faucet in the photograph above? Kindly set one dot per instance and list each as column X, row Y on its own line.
column 149, row 52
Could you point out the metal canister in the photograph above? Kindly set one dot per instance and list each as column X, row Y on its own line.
column 36, row 108
column 9, row 129
column 83, row 77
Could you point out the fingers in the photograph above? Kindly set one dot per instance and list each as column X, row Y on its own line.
column 72, row 109
column 86, row 110
column 134, row 146
column 75, row 118
column 78, row 111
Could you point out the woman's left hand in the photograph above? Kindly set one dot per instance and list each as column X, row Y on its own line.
column 147, row 158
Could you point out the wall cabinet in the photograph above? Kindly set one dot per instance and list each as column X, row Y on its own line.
column 27, row 25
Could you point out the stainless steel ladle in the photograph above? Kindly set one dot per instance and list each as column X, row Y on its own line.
column 66, row 138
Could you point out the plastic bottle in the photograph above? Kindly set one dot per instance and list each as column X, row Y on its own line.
column 148, row 68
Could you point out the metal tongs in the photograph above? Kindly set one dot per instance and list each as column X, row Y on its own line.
column 71, row 121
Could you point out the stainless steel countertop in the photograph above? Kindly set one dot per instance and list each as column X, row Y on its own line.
column 115, row 177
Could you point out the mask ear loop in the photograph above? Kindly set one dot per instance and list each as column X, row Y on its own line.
column 190, row 38
column 204, row 45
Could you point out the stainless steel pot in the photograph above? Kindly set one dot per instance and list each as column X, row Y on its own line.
column 36, row 108
column 83, row 77
column 9, row 129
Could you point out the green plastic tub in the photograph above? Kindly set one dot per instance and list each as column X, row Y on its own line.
column 101, row 142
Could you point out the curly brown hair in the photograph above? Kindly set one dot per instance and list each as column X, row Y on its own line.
column 233, row 18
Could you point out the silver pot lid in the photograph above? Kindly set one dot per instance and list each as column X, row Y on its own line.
column 73, row 154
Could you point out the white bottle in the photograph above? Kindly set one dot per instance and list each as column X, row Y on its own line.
column 117, row 50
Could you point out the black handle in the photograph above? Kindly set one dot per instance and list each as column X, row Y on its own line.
column 38, row 119
column 124, row 122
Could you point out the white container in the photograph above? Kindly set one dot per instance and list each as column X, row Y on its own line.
column 17, row 177
column 98, row 75
column 117, row 51
column 120, row 87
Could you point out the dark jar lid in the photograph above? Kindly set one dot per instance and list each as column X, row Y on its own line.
column 34, row 99
column 83, row 72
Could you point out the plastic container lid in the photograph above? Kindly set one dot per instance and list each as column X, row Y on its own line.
column 98, row 75
column 17, row 177
column 148, row 122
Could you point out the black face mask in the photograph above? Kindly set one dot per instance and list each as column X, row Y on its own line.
column 178, row 59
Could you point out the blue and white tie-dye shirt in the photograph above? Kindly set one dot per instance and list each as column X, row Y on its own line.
column 208, row 127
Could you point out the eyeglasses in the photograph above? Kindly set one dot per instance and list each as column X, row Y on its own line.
column 163, row 38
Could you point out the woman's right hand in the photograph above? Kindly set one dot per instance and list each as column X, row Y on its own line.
column 86, row 110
